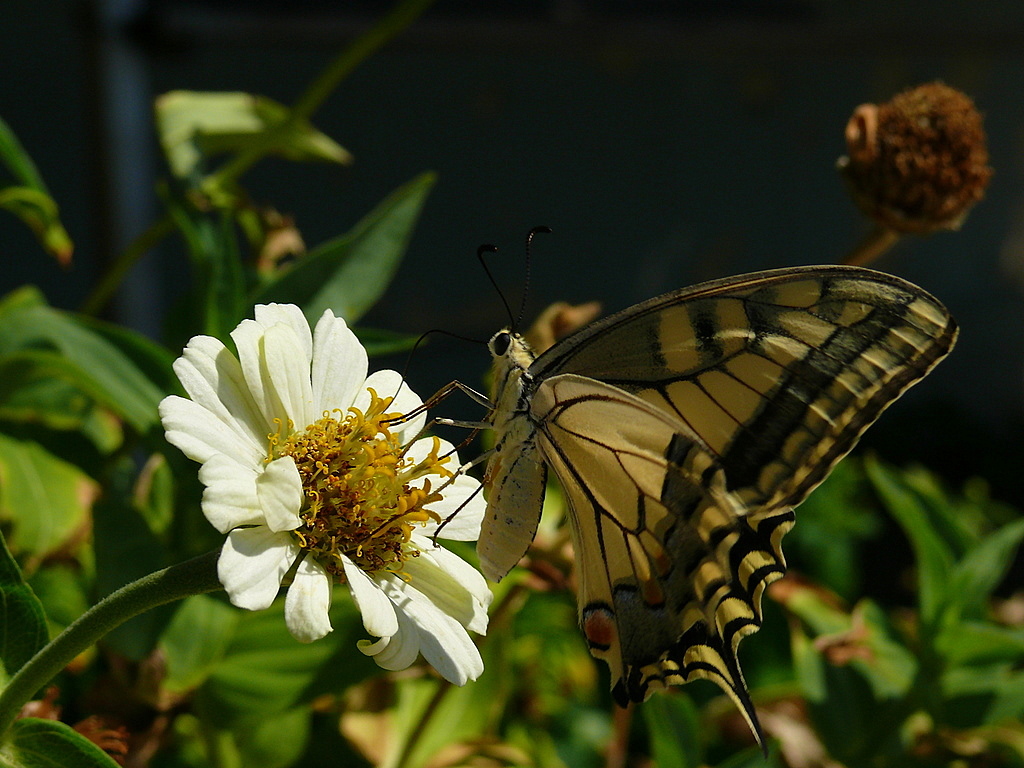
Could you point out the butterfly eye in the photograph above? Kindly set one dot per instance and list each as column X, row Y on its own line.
column 500, row 343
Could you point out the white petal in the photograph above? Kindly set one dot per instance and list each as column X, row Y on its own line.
column 390, row 384
column 464, row 499
column 213, row 378
column 397, row 651
column 452, row 584
column 378, row 613
column 288, row 369
column 200, row 435
column 252, row 563
column 229, row 499
column 269, row 315
column 279, row 489
column 443, row 641
column 308, row 601
column 339, row 365
column 248, row 338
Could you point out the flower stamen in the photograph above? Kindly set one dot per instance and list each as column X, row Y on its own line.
column 360, row 500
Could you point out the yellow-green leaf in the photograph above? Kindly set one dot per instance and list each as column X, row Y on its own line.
column 45, row 499
column 194, row 125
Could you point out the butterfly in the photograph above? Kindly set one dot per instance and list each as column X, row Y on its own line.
column 684, row 430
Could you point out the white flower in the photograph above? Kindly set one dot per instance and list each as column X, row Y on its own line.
column 308, row 479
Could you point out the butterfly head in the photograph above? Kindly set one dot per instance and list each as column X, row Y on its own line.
column 510, row 350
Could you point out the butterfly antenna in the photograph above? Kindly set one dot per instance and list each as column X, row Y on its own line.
column 526, row 278
column 423, row 337
column 490, row 276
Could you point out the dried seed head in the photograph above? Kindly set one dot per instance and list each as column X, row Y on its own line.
column 919, row 162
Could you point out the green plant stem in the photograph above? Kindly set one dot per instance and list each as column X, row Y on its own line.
column 114, row 276
column 193, row 577
column 400, row 17
column 443, row 687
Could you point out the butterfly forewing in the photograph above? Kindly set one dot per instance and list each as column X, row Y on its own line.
column 684, row 430
column 778, row 372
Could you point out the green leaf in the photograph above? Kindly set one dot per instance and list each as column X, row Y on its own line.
column 754, row 758
column 62, row 589
column 934, row 558
column 45, row 499
column 862, row 635
column 545, row 654
column 1008, row 704
column 195, row 125
column 850, row 720
column 21, row 298
column 154, row 494
column 673, row 727
column 23, row 629
column 17, row 160
column 265, row 671
column 888, row 665
column 535, row 742
column 974, row 643
column 30, row 200
column 36, row 743
column 976, row 576
column 982, row 696
column 95, row 365
column 126, row 549
column 350, row 273
column 212, row 246
column 274, row 742
column 196, row 640
column 835, row 525
column 153, row 360
column 953, row 520
column 37, row 388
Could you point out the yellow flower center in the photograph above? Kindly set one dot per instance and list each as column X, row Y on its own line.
column 358, row 498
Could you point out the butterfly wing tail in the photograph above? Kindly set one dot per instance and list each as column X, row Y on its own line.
column 729, row 559
column 697, row 654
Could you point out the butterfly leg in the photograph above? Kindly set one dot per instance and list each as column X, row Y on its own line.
column 457, row 386
column 442, row 394
column 458, row 509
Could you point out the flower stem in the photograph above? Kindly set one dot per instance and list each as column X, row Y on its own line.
column 193, row 577
column 443, row 687
column 127, row 259
column 879, row 240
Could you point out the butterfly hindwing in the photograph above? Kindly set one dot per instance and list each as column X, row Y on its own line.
column 674, row 572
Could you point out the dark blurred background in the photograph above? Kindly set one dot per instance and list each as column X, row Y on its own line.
column 664, row 142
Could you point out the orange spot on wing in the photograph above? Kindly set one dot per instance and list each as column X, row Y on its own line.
column 652, row 592
column 599, row 627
